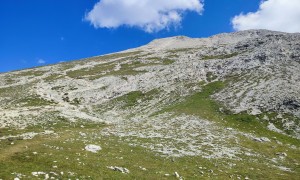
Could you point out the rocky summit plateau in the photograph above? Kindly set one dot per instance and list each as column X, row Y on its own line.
column 223, row 107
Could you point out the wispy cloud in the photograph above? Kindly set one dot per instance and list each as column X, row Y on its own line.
column 41, row 61
column 148, row 15
column 278, row 15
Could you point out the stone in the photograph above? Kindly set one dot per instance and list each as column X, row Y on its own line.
column 93, row 148
column 283, row 154
column 176, row 175
column 265, row 139
column 142, row 168
column 82, row 134
column 120, row 169
column 262, row 139
column 257, row 139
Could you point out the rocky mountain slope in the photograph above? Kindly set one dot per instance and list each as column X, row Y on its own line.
column 227, row 106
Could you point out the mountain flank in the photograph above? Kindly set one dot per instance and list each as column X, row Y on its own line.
column 222, row 107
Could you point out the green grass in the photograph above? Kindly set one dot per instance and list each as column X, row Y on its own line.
column 72, row 64
column 95, row 70
column 129, row 100
column 31, row 73
column 107, row 69
column 125, row 70
column 34, row 101
column 132, row 98
column 116, row 55
column 161, row 61
column 54, row 77
column 86, row 165
column 202, row 105
column 168, row 61
column 116, row 151
column 278, row 121
column 181, row 50
column 173, row 56
column 9, row 80
column 66, row 151
column 9, row 95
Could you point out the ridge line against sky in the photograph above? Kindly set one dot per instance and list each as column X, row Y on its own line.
column 44, row 32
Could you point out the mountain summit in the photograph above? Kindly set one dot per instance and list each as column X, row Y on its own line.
column 227, row 106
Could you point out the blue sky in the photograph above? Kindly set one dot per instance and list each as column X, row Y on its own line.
column 40, row 32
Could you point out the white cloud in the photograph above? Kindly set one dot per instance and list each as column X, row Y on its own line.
column 149, row 15
column 41, row 61
column 278, row 15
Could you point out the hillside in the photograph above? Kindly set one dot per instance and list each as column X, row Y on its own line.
column 222, row 107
